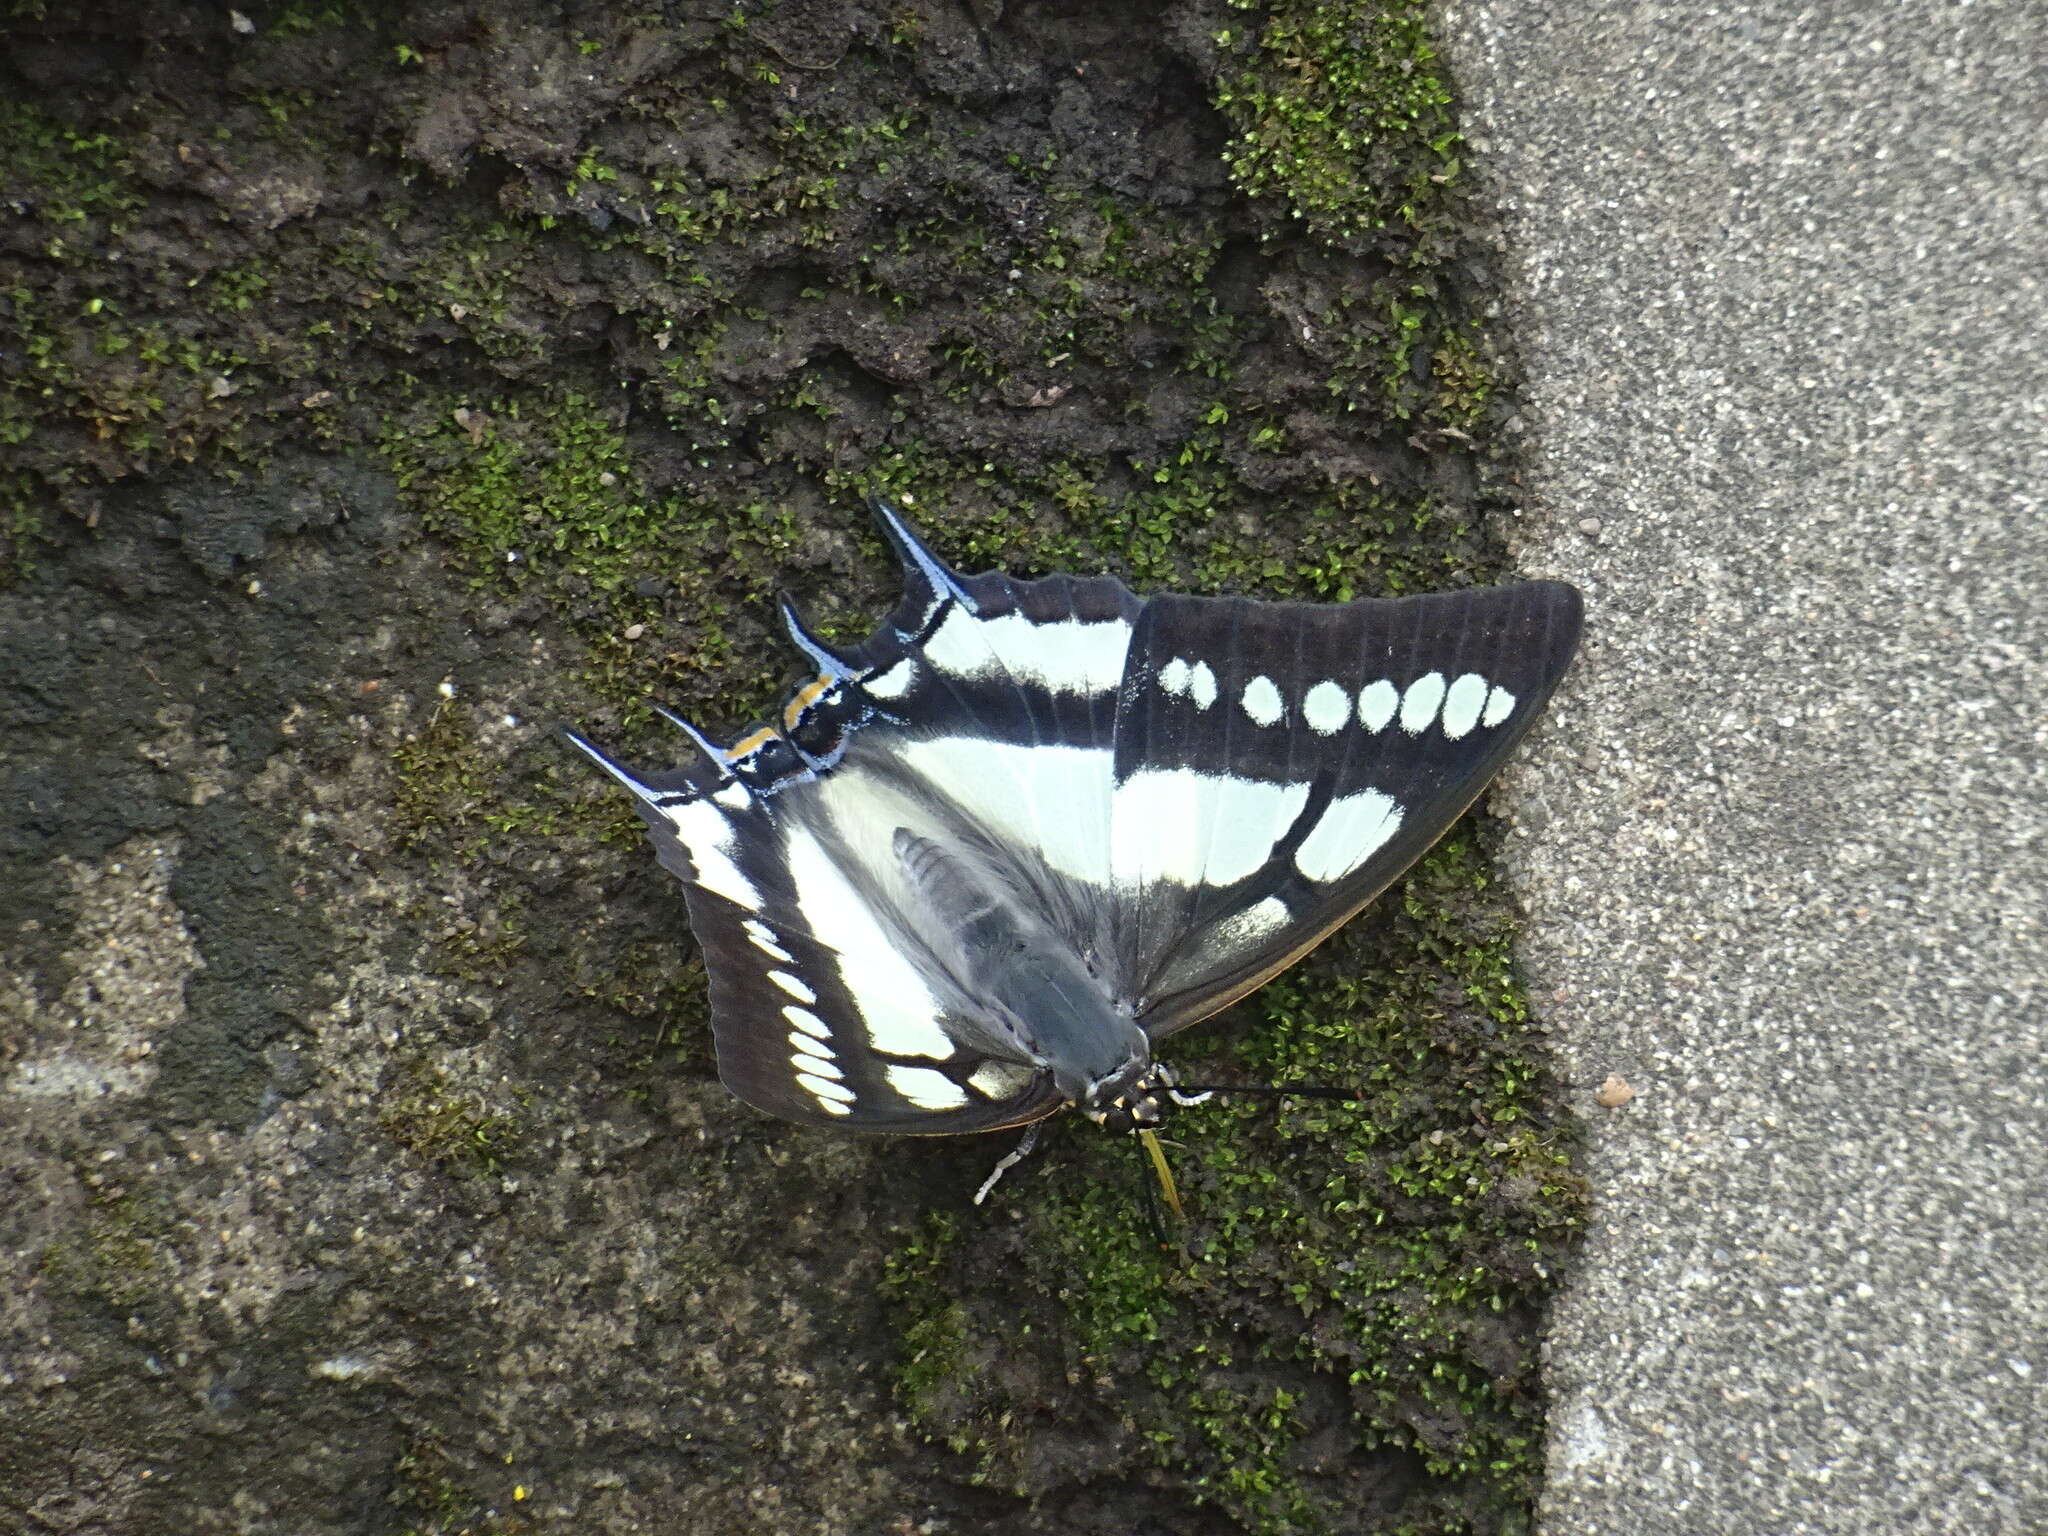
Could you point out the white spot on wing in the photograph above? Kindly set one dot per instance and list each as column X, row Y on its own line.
column 1000, row 1079
column 1499, row 705
column 793, row 986
column 1066, row 655
column 1419, row 704
column 1326, row 708
column 1253, row 926
column 895, row 682
column 1351, row 830
column 1052, row 798
column 805, row 1058
column 898, row 1010
column 807, row 1021
column 1173, row 677
column 957, row 647
column 708, row 838
column 1196, row 828
column 734, row 795
column 927, row 1089
column 1467, row 697
column 1262, row 701
column 1202, row 685
column 831, row 1096
column 1377, row 703
column 764, row 940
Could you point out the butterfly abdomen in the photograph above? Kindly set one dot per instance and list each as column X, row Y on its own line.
column 1024, row 984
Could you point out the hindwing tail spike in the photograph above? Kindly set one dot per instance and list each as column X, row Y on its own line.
column 927, row 578
column 597, row 755
column 828, row 661
column 704, row 744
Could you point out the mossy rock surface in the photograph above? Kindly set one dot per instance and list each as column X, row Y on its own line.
column 383, row 385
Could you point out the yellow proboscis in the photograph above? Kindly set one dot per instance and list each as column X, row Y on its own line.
column 1166, row 1184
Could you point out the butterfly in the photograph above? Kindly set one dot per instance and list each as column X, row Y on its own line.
column 979, row 865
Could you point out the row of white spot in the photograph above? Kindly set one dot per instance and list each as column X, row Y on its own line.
column 817, row 1067
column 819, row 1074
column 1326, row 707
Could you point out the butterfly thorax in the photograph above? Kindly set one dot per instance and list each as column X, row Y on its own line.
column 1035, row 999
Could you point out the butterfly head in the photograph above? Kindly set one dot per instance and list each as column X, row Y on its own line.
column 1131, row 1101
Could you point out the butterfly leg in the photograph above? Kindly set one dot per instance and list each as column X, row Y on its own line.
column 1016, row 1155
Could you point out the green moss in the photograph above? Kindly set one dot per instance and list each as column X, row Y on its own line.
column 934, row 1337
column 1339, row 110
column 433, row 1500
column 1410, row 1234
column 21, row 521
column 441, row 790
column 63, row 176
column 540, row 495
column 119, row 1255
column 1463, row 375
column 456, row 1129
column 238, row 289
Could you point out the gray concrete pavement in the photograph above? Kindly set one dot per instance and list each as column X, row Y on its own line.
column 1777, row 277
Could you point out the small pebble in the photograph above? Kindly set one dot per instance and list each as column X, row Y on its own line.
column 1613, row 1093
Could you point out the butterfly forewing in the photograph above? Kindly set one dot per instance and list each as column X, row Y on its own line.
column 1278, row 764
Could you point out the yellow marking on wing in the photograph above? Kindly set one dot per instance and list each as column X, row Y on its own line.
column 751, row 744
column 802, row 700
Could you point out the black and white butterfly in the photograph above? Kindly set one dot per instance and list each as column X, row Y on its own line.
column 983, row 862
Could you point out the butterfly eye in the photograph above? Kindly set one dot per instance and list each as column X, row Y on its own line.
column 1117, row 1119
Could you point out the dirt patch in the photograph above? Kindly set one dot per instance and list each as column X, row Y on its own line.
column 383, row 385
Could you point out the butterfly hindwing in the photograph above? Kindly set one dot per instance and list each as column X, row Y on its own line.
column 824, row 1008
column 1003, row 694
column 849, row 1038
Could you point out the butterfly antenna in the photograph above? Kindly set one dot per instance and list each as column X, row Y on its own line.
column 1194, row 1093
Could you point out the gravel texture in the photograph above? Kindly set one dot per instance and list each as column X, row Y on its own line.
column 1776, row 277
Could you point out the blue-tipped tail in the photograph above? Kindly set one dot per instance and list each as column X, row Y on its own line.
column 639, row 790
column 827, row 661
column 703, row 743
column 921, row 568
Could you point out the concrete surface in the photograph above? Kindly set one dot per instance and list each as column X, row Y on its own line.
column 1776, row 274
